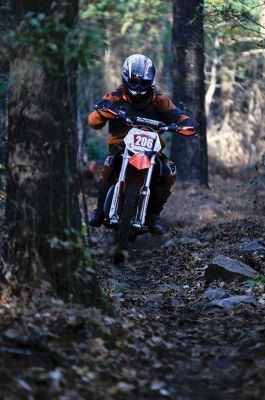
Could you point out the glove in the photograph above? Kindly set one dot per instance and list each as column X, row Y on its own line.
column 104, row 104
column 190, row 122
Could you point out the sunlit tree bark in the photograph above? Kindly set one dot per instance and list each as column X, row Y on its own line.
column 262, row 19
column 190, row 155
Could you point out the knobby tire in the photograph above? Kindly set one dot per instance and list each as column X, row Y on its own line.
column 128, row 211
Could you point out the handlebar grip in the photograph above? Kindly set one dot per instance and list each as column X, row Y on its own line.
column 182, row 130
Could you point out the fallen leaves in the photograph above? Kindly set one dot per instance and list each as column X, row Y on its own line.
column 161, row 341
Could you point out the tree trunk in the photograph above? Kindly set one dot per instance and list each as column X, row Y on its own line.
column 262, row 18
column 189, row 154
column 4, row 73
column 42, row 213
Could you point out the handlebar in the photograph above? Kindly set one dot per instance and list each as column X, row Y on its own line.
column 158, row 126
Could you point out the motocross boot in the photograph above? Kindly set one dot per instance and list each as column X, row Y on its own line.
column 154, row 225
column 97, row 216
column 158, row 199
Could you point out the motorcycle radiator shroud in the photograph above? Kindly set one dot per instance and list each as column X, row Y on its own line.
column 141, row 143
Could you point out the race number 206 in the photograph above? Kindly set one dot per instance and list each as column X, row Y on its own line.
column 143, row 141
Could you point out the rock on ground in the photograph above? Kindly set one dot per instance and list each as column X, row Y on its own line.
column 232, row 301
column 254, row 247
column 214, row 293
column 254, row 253
column 228, row 269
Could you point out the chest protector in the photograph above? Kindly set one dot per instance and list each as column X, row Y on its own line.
column 117, row 128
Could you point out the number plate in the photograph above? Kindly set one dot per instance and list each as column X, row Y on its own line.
column 139, row 141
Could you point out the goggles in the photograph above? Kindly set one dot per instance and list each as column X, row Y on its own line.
column 139, row 83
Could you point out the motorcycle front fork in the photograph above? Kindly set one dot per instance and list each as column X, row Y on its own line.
column 113, row 214
column 144, row 193
column 144, row 197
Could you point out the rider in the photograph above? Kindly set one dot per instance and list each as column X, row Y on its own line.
column 137, row 96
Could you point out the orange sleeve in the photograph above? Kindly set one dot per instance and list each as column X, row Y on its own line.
column 98, row 119
column 95, row 120
column 164, row 103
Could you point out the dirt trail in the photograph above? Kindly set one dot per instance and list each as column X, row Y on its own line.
column 163, row 340
column 176, row 347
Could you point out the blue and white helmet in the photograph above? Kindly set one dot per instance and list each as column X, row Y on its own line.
column 138, row 73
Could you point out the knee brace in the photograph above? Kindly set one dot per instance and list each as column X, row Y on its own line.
column 106, row 170
column 168, row 175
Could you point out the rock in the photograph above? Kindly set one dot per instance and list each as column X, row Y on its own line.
column 255, row 247
column 174, row 242
column 122, row 387
column 254, row 254
column 230, row 302
column 15, row 335
column 125, row 387
column 214, row 293
column 228, row 269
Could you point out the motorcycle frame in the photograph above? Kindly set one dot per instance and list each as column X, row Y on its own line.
column 140, row 214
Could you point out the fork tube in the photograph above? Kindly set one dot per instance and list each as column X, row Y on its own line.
column 125, row 160
column 141, row 214
column 150, row 172
column 113, row 214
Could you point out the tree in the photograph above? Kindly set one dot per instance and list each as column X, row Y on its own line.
column 4, row 69
column 190, row 155
column 262, row 19
column 42, row 213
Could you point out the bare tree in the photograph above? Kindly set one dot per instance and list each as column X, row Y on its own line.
column 262, row 18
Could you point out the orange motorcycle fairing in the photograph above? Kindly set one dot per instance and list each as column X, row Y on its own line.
column 140, row 161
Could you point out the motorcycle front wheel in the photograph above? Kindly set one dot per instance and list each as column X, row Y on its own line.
column 128, row 211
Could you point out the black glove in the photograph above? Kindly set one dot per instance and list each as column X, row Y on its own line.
column 105, row 105
column 110, row 107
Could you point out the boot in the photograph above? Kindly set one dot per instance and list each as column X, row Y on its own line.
column 158, row 198
column 97, row 216
column 154, row 225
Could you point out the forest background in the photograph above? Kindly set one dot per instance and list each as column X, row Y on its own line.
column 234, row 70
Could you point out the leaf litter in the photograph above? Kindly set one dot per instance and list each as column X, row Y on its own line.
column 162, row 340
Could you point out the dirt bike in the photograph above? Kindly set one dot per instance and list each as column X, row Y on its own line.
column 126, row 203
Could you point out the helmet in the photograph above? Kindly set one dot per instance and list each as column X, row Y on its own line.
column 138, row 73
